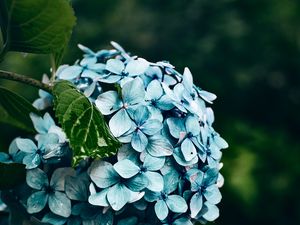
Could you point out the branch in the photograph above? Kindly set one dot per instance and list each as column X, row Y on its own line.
column 26, row 80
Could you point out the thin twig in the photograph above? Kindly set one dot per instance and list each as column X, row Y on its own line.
column 25, row 80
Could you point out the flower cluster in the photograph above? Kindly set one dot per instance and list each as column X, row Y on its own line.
column 167, row 170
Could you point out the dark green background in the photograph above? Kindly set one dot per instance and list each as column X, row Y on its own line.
column 245, row 51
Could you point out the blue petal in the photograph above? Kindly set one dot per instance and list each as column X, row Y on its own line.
column 108, row 102
column 85, row 49
column 4, row 157
column 192, row 125
column 176, row 126
column 151, row 127
column 170, row 182
column 139, row 141
column 182, row 221
column 126, row 168
column 155, row 113
column 26, row 145
column 212, row 194
column 103, row 174
column 220, row 142
column 212, row 212
column 136, row 67
column 188, row 149
column 161, row 210
column 59, row 204
column 99, row 198
column 76, row 188
column 115, row 66
column 137, row 183
column 176, row 204
column 210, row 117
column 37, row 202
column 153, row 163
column 120, row 123
column 156, row 182
column 207, row 96
column 36, row 179
column 159, row 146
column 42, row 125
column 90, row 74
column 57, row 181
column 210, row 176
column 187, row 79
column 133, row 92
column 154, row 90
column 165, row 103
column 53, row 219
column 196, row 204
column 178, row 156
column 127, row 152
column 118, row 196
column 141, row 115
column 70, row 72
column 32, row 161
column 151, row 196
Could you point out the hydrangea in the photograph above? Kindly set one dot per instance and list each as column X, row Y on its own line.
column 167, row 170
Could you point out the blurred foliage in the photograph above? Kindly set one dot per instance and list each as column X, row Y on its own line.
column 245, row 51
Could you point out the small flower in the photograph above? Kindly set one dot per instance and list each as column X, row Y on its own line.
column 143, row 171
column 51, row 193
column 48, row 147
column 187, row 132
column 117, row 191
column 192, row 91
column 160, row 72
column 203, row 185
column 121, row 72
column 13, row 155
column 133, row 94
column 166, row 201
column 156, row 100
column 86, row 68
column 142, row 128
column 46, row 125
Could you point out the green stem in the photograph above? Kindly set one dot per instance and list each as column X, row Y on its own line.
column 26, row 80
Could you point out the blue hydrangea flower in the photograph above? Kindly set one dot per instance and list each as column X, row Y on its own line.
column 117, row 191
column 166, row 201
column 133, row 94
column 49, row 192
column 166, row 171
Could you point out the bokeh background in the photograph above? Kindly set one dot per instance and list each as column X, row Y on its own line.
column 245, row 51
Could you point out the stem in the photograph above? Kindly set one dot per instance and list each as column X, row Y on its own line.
column 26, row 80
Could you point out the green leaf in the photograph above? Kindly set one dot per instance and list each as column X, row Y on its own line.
column 84, row 125
column 15, row 110
column 36, row 26
column 11, row 175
